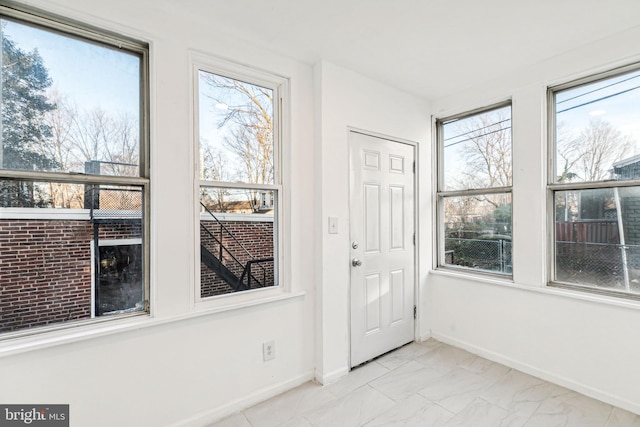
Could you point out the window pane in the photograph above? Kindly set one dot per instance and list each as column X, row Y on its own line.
column 63, row 263
column 477, row 151
column 477, row 232
column 101, row 199
column 237, row 240
column 236, row 130
column 597, row 235
column 68, row 105
column 597, row 130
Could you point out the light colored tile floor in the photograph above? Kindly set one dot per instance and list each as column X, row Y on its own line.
column 432, row 384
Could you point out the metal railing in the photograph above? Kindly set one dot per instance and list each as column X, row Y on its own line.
column 222, row 248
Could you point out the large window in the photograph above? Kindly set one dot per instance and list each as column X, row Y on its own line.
column 73, row 174
column 239, row 180
column 594, row 184
column 474, row 190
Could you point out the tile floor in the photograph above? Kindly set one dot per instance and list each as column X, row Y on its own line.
column 432, row 384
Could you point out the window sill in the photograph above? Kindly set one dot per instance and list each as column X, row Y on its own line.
column 481, row 276
column 66, row 333
column 74, row 333
column 582, row 295
column 244, row 299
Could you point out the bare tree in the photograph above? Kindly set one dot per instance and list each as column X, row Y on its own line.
column 590, row 155
column 568, row 155
column 214, row 168
column 248, row 118
column 94, row 135
column 488, row 151
column 484, row 142
column 122, row 151
column 58, row 147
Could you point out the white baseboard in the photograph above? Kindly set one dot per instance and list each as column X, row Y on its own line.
column 326, row 379
column 208, row 417
column 541, row 373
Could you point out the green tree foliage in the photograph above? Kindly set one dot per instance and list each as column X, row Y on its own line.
column 24, row 130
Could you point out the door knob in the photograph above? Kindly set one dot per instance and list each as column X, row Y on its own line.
column 356, row 262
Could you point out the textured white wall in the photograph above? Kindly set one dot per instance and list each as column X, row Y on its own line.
column 197, row 369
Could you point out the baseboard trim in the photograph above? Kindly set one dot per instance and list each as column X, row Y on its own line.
column 540, row 373
column 326, row 379
column 210, row 416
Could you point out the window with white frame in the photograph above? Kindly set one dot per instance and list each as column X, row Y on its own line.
column 474, row 190
column 73, row 171
column 239, row 179
column 594, row 183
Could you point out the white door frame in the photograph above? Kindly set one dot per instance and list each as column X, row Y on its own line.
column 416, row 248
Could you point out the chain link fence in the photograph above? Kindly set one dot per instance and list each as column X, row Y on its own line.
column 117, row 202
column 482, row 254
column 602, row 265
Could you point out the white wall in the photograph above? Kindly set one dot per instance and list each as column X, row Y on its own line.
column 193, row 370
column 345, row 99
column 587, row 343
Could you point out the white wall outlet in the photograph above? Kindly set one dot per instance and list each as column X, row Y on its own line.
column 268, row 350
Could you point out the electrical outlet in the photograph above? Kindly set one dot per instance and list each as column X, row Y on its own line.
column 268, row 350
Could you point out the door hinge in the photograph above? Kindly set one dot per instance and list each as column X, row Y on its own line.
column 414, row 167
column 415, row 312
column 414, row 239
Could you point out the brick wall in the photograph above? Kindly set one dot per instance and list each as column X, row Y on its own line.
column 45, row 265
column 631, row 219
column 256, row 237
column 45, row 270
column 631, row 224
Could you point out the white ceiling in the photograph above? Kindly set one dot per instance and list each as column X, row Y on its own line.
column 432, row 48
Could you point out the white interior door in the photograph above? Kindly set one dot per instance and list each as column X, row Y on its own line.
column 382, row 245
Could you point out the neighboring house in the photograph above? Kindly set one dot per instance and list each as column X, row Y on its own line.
column 627, row 168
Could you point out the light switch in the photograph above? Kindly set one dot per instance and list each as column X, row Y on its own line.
column 333, row 225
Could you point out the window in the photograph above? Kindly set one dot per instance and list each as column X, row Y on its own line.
column 119, row 284
column 595, row 183
column 73, row 174
column 474, row 190
column 239, row 180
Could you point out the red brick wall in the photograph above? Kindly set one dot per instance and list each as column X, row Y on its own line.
column 256, row 237
column 45, row 270
column 45, row 266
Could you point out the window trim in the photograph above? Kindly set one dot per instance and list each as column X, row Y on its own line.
column 441, row 194
column 28, row 15
column 281, row 113
column 554, row 186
